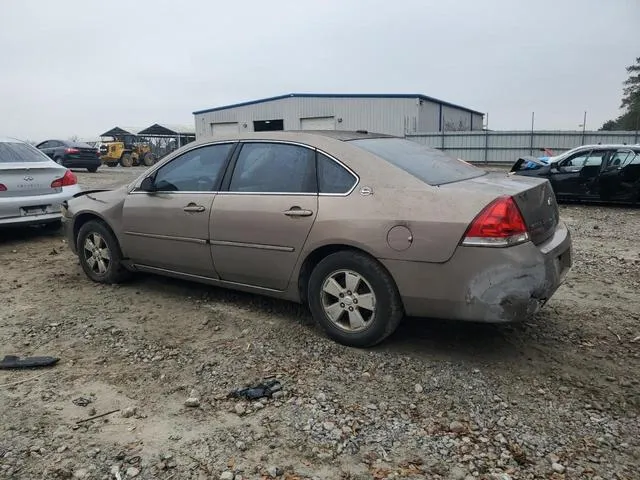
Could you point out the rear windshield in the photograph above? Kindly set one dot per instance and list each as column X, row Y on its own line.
column 433, row 167
column 14, row 152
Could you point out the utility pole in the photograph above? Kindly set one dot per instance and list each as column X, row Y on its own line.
column 533, row 116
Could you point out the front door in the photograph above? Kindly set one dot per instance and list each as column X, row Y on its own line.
column 260, row 224
column 168, row 228
column 576, row 176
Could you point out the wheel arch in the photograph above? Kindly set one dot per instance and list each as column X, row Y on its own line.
column 317, row 255
column 82, row 218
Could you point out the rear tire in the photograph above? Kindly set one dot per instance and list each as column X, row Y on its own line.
column 92, row 169
column 354, row 299
column 126, row 160
column 148, row 159
column 99, row 253
column 112, row 164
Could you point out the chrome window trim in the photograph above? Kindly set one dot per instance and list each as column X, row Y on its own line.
column 353, row 174
column 172, row 156
column 315, row 149
column 152, row 170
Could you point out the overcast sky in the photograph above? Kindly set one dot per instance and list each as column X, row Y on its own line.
column 78, row 67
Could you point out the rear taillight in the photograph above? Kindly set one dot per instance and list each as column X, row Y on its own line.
column 499, row 224
column 69, row 178
column 3, row 188
column 71, row 150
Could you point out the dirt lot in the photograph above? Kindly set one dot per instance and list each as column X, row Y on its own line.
column 556, row 397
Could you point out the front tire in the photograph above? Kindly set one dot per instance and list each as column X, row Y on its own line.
column 92, row 169
column 354, row 299
column 112, row 164
column 126, row 160
column 99, row 253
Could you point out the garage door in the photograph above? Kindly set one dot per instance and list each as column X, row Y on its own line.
column 318, row 123
column 224, row 128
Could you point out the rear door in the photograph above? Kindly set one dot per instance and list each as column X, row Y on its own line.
column 169, row 228
column 260, row 224
column 620, row 178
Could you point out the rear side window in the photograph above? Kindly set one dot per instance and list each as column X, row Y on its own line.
column 20, row 152
column 433, row 167
column 274, row 168
column 333, row 177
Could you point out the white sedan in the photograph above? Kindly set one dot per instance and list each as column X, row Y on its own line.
column 32, row 186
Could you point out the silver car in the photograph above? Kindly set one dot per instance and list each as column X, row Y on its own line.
column 32, row 186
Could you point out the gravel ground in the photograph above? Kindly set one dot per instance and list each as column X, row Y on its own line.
column 556, row 397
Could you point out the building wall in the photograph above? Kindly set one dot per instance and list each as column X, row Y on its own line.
column 396, row 116
column 507, row 146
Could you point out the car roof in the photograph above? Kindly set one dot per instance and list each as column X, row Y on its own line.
column 609, row 145
column 9, row 140
column 302, row 136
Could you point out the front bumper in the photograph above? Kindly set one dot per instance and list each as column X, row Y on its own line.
column 486, row 284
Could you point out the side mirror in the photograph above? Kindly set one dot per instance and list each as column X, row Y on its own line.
column 148, row 185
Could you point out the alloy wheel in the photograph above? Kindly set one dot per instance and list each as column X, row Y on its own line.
column 348, row 300
column 96, row 253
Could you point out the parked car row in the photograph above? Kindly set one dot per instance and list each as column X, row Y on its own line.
column 361, row 227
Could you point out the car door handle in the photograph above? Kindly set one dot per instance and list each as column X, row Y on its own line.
column 194, row 208
column 298, row 212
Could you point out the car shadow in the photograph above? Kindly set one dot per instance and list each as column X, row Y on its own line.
column 17, row 235
column 476, row 343
column 451, row 340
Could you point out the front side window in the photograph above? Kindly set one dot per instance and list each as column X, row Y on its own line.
column 576, row 161
column 274, row 168
column 198, row 170
column 432, row 166
column 333, row 177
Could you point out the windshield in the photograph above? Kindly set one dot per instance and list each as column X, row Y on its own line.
column 432, row 166
column 16, row 152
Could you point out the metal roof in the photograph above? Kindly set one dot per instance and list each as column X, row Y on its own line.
column 169, row 130
column 340, row 95
column 116, row 131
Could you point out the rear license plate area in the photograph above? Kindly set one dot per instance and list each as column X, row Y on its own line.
column 36, row 210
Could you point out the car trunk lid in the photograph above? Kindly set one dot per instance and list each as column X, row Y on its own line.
column 36, row 179
column 533, row 196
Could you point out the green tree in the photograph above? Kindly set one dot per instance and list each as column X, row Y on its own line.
column 630, row 118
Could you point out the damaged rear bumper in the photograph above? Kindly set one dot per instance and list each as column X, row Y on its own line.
column 486, row 284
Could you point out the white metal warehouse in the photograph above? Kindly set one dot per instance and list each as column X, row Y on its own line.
column 395, row 114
